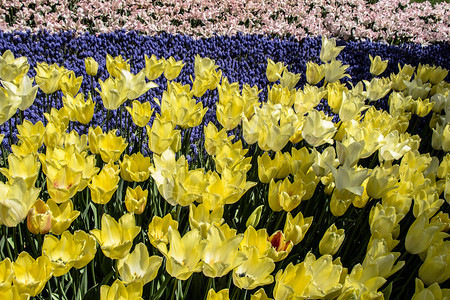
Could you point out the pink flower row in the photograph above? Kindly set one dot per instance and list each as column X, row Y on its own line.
column 386, row 20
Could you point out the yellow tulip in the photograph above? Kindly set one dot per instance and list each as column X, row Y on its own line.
column 341, row 201
column 260, row 295
column 232, row 156
column 325, row 276
column 179, row 106
column 111, row 146
column 377, row 88
column 421, row 234
column 8, row 105
column 94, row 137
column 136, row 85
column 384, row 219
column 116, row 238
column 11, row 68
column 296, row 228
column 292, row 282
column 154, row 67
column 59, row 117
column 6, row 272
column 215, row 139
column 72, row 250
column 438, row 74
column 314, row 73
column 138, row 266
column 285, row 195
column 308, row 98
column 104, row 185
column 82, row 111
column 274, row 70
column 39, row 218
column 331, row 240
column 351, row 107
column 15, row 202
column 230, row 108
column 116, row 65
column 70, row 84
column 317, row 129
column 62, row 215
column 435, row 266
column 417, row 88
column 136, row 199
column 185, row 253
column 269, row 169
column 30, row 275
column 226, row 189
column 172, row 68
column 26, row 167
column 87, row 248
column 135, row 167
column 299, row 160
column 91, row 66
column 221, row 253
column 201, row 217
column 258, row 239
column 140, row 113
column 335, row 71
column 329, row 51
column 158, row 229
column 162, row 135
column 277, row 94
column 23, row 89
column 349, row 179
column 253, row 272
column 32, row 133
column 48, row 77
column 433, row 292
column 280, row 246
column 118, row 291
column 114, row 92
column 220, row 295
column 206, row 76
column 423, row 107
column 62, row 183
column 251, row 99
column 377, row 66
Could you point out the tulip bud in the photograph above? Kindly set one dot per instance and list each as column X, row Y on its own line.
column 154, row 67
column 421, row 234
column 172, row 68
column 377, row 66
column 314, row 73
column 136, row 199
column 39, row 218
column 329, row 51
column 435, row 267
column 260, row 295
column 274, row 70
column 220, row 295
column 254, row 218
column 295, row 228
column 91, row 66
column 331, row 240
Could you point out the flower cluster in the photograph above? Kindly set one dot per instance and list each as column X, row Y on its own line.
column 398, row 21
column 282, row 198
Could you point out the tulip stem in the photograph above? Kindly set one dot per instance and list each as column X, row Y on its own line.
column 175, row 284
column 5, row 236
column 108, row 114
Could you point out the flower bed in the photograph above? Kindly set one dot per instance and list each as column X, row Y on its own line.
column 228, row 168
column 393, row 21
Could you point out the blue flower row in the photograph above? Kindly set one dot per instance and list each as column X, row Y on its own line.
column 241, row 58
